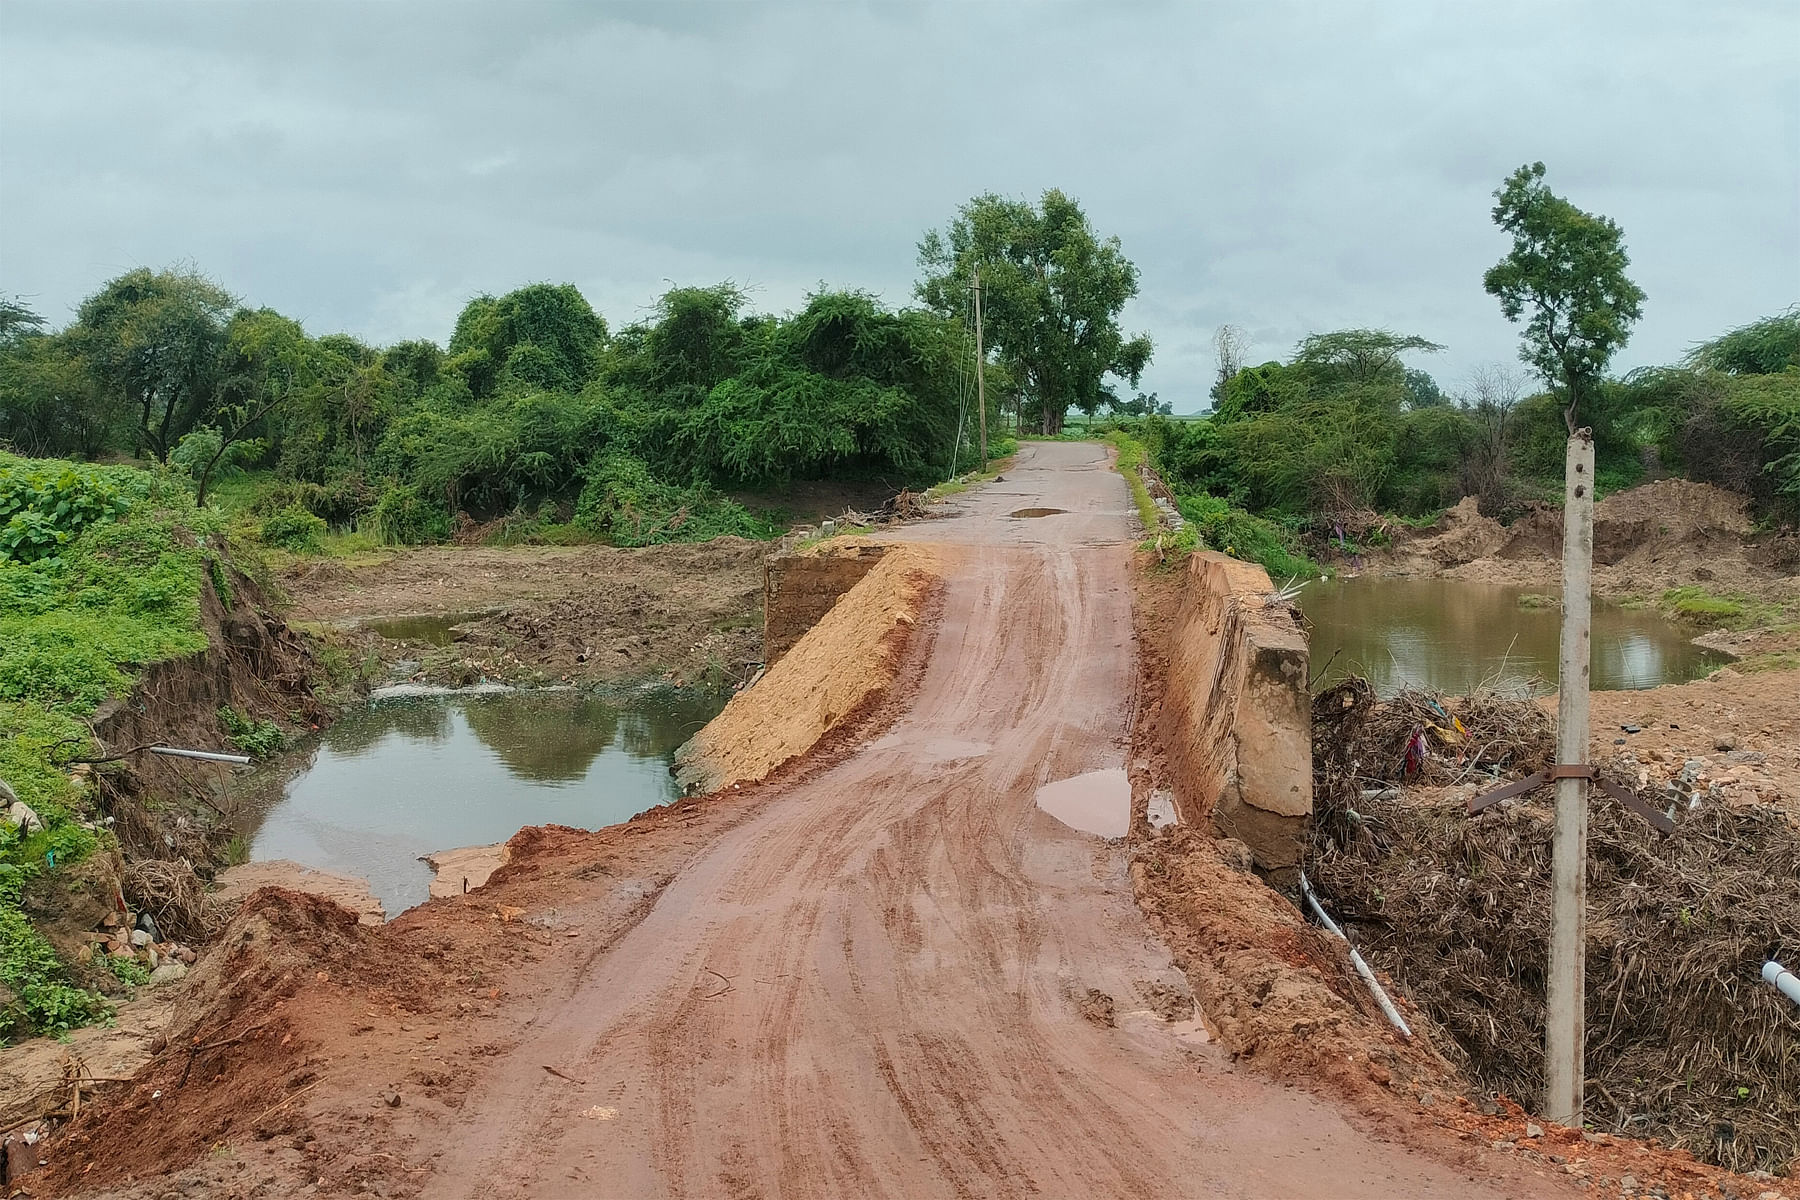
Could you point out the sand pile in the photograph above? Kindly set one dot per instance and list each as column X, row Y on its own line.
column 838, row 672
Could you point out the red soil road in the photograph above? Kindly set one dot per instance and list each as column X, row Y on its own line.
column 871, row 986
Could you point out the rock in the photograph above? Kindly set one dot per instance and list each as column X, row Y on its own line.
column 1746, row 758
column 1692, row 770
column 185, row 955
column 1724, row 742
column 392, row 1099
column 169, row 972
column 1534, row 1131
column 141, row 937
column 152, row 956
column 147, row 923
column 1628, row 1181
column 24, row 816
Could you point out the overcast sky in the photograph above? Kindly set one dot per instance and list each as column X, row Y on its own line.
column 1287, row 168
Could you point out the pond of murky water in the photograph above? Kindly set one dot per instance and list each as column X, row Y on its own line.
column 408, row 776
column 1453, row 636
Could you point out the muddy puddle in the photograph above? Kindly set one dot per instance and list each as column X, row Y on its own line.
column 436, row 629
column 1452, row 636
column 1098, row 802
column 1036, row 512
column 408, row 776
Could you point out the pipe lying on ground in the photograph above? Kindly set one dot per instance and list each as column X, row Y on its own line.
column 1356, row 960
column 208, row 755
column 1783, row 980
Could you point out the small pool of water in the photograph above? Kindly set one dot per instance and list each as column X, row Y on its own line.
column 406, row 777
column 437, row 629
column 1453, row 636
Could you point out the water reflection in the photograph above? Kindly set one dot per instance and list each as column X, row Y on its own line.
column 1455, row 636
column 405, row 777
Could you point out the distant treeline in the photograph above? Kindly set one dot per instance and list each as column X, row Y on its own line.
column 533, row 403
column 1344, row 427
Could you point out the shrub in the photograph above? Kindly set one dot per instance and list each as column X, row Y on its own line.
column 622, row 502
column 44, row 505
column 293, row 529
column 405, row 516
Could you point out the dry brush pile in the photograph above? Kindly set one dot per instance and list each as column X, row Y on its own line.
column 1684, row 1041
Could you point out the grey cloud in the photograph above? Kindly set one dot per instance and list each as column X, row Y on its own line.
column 1283, row 167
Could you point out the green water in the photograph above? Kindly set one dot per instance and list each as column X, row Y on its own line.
column 405, row 777
column 1453, row 636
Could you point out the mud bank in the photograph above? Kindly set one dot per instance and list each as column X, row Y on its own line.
column 1668, row 534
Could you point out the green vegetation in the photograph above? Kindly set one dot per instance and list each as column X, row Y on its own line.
column 259, row 739
column 1567, row 267
column 108, row 581
column 1052, row 290
column 535, row 420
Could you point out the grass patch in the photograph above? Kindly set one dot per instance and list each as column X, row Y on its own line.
column 967, row 480
column 1132, row 456
column 1537, row 600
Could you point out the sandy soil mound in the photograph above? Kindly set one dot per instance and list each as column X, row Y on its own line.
column 1667, row 534
column 838, row 672
column 1461, row 535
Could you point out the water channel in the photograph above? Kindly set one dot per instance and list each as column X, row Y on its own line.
column 1451, row 635
column 408, row 776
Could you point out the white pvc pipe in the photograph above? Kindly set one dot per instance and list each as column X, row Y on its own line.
column 1356, row 960
column 208, row 755
column 1784, row 980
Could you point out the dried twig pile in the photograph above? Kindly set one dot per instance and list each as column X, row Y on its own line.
column 1684, row 1041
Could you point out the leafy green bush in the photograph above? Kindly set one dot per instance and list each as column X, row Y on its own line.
column 43, row 1000
column 406, row 517
column 1241, row 535
column 293, row 529
column 625, row 504
column 259, row 739
column 44, row 505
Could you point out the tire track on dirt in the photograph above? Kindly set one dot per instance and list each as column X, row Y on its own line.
column 900, row 942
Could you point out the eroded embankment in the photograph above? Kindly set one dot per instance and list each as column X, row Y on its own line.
column 1668, row 534
column 830, row 678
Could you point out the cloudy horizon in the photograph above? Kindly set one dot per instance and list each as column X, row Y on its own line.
column 1285, row 168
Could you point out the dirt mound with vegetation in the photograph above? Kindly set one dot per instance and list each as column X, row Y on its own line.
column 1667, row 534
column 1685, row 1041
column 836, row 674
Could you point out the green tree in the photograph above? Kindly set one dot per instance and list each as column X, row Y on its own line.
column 1052, row 291
column 1766, row 347
column 543, row 337
column 1568, row 268
column 156, row 341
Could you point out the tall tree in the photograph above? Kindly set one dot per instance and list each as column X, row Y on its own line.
column 156, row 340
column 1568, row 268
column 1052, row 291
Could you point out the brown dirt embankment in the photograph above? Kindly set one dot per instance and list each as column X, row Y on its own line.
column 548, row 613
column 1648, row 539
column 836, row 674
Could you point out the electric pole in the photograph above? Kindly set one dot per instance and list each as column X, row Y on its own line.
column 1565, row 986
column 980, row 377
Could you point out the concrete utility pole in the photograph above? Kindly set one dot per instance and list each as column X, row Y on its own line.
column 980, row 377
column 1564, row 1024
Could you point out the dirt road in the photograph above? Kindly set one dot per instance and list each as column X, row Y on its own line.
column 873, row 986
